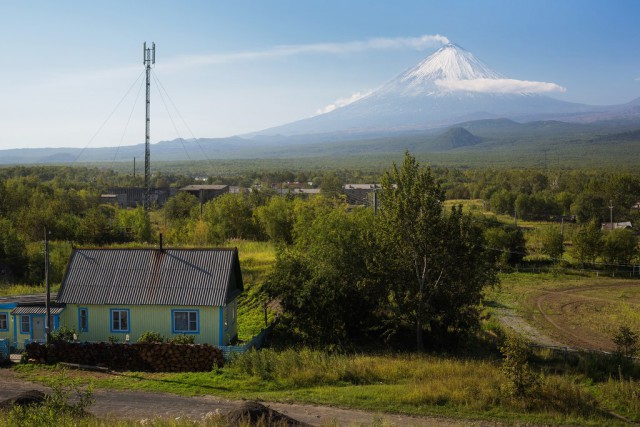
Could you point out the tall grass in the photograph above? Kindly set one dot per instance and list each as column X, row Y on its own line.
column 417, row 381
column 256, row 261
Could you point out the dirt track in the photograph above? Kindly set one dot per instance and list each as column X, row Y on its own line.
column 569, row 318
column 138, row 405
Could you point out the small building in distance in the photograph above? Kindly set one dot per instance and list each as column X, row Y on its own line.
column 616, row 225
column 360, row 194
column 131, row 197
column 119, row 200
column 303, row 192
column 206, row 192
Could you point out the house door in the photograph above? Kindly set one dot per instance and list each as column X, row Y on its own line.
column 38, row 327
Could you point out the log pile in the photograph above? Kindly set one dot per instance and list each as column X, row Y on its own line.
column 154, row 357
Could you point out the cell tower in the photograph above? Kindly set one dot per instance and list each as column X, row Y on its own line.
column 148, row 59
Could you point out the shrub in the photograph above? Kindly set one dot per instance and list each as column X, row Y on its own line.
column 63, row 334
column 626, row 341
column 182, row 339
column 151, row 337
column 520, row 378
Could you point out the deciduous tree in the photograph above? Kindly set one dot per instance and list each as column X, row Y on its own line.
column 432, row 263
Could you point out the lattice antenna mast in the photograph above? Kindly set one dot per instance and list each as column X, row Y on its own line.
column 148, row 59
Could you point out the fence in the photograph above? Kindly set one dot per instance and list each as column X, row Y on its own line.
column 256, row 342
column 4, row 349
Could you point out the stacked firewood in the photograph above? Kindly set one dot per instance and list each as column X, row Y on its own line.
column 156, row 357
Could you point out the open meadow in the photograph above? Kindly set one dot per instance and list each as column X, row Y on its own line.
column 581, row 310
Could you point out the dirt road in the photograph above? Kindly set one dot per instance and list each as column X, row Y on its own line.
column 138, row 405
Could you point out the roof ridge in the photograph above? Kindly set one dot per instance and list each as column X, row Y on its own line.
column 155, row 249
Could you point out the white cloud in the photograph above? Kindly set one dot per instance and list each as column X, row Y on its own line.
column 417, row 43
column 342, row 102
column 499, row 86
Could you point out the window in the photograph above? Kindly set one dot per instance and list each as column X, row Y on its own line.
column 83, row 320
column 185, row 322
column 25, row 325
column 4, row 322
column 120, row 320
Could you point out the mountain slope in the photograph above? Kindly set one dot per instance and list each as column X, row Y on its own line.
column 448, row 87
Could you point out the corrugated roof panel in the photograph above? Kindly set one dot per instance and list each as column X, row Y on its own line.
column 149, row 276
column 36, row 309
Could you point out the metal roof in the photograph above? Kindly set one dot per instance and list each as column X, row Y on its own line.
column 27, row 299
column 196, row 187
column 37, row 309
column 201, row 277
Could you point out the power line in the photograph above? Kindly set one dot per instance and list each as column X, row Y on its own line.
column 108, row 118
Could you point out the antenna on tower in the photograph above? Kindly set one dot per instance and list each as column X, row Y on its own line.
column 148, row 58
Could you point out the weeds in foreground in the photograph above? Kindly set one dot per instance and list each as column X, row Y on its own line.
column 64, row 405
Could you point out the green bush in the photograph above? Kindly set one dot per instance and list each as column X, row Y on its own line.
column 521, row 380
column 63, row 334
column 151, row 337
column 182, row 339
column 626, row 342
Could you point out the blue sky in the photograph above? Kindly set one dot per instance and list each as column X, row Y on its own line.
column 239, row 66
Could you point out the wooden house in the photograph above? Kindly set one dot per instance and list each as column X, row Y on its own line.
column 22, row 318
column 124, row 293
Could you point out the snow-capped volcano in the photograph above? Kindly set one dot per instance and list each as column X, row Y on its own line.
column 450, row 86
column 449, row 63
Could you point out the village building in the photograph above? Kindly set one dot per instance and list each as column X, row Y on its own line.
column 616, row 225
column 22, row 318
column 360, row 194
column 124, row 293
column 120, row 294
column 303, row 192
column 205, row 193
column 131, row 197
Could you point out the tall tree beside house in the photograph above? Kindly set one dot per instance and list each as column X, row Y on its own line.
column 322, row 281
column 432, row 263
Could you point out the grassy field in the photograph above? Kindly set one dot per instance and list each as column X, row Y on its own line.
column 410, row 384
column 584, row 310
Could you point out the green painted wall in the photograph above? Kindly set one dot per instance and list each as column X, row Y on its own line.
column 145, row 318
column 8, row 334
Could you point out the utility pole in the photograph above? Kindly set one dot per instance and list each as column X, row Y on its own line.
column 375, row 201
column 611, row 213
column 148, row 58
column 47, row 322
column 562, row 234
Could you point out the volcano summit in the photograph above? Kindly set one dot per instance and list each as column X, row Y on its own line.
column 450, row 86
